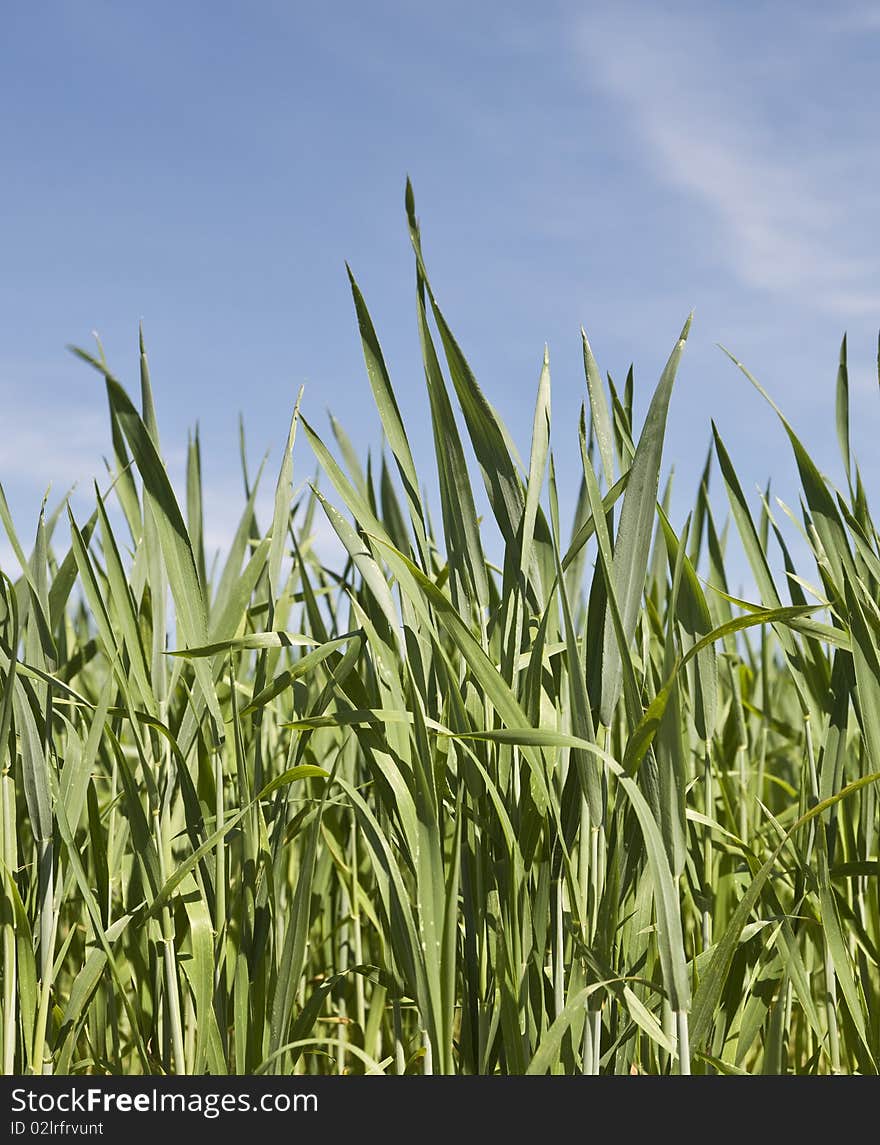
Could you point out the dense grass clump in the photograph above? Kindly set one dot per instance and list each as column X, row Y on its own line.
column 585, row 812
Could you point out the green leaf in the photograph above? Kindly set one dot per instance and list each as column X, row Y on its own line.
column 633, row 542
column 389, row 413
column 187, row 591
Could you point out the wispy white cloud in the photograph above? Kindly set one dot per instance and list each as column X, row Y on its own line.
column 64, row 449
column 736, row 107
column 864, row 15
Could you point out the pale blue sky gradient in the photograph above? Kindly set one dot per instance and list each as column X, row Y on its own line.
column 208, row 167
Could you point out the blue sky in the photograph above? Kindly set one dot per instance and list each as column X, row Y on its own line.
column 209, row 167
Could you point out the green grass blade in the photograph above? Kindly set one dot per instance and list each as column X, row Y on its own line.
column 633, row 541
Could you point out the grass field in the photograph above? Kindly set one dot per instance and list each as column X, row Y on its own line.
column 582, row 811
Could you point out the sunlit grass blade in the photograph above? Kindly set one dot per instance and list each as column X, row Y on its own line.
column 633, row 541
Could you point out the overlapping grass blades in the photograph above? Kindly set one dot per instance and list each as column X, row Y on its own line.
column 579, row 811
